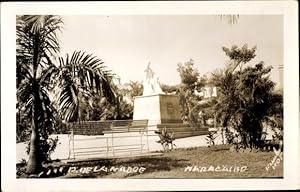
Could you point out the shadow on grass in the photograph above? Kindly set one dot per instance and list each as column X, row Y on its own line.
column 152, row 164
column 219, row 148
column 155, row 164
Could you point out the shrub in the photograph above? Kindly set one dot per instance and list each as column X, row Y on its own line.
column 46, row 148
column 166, row 139
column 210, row 138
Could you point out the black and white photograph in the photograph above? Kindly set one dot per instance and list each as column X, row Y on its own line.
column 151, row 96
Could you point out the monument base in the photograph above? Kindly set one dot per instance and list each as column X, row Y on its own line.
column 163, row 111
column 158, row 109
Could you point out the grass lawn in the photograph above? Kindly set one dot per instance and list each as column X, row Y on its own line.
column 173, row 164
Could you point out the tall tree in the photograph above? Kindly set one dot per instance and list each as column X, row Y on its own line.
column 190, row 84
column 37, row 46
column 246, row 97
column 239, row 56
column 79, row 77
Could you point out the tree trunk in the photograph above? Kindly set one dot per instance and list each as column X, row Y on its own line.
column 34, row 164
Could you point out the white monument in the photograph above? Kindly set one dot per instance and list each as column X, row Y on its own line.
column 151, row 82
column 154, row 104
column 161, row 110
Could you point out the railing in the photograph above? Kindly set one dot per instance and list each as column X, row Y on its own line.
column 119, row 137
column 105, row 133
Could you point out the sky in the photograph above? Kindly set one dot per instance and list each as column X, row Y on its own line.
column 125, row 43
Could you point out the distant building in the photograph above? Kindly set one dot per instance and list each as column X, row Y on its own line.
column 208, row 92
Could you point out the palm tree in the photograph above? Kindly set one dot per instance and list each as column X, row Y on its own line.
column 82, row 76
column 37, row 46
column 79, row 77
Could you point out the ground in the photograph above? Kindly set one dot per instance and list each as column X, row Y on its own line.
column 64, row 146
column 219, row 162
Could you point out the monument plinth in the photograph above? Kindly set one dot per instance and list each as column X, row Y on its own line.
column 161, row 110
column 158, row 109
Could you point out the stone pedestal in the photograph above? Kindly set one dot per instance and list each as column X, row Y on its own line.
column 163, row 111
column 158, row 109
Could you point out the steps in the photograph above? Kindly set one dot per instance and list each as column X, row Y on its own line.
column 181, row 130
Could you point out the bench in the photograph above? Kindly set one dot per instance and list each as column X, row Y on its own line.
column 90, row 127
column 106, row 133
column 128, row 129
column 126, row 126
column 79, row 133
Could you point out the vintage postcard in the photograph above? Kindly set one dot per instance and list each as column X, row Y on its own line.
column 150, row 96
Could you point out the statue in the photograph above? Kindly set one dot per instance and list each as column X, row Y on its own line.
column 151, row 82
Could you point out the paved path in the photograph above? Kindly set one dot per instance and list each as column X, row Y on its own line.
column 62, row 150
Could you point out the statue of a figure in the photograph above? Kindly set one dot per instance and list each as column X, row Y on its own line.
column 151, row 82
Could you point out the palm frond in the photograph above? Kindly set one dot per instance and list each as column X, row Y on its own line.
column 82, row 74
column 68, row 101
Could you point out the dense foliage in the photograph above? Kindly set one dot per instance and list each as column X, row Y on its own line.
column 191, row 84
column 246, row 99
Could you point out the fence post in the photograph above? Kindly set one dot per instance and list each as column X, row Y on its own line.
column 70, row 139
column 73, row 144
column 107, row 147
column 141, row 141
column 147, row 137
column 112, row 139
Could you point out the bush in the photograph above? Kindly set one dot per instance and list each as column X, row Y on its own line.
column 23, row 133
column 46, row 148
column 210, row 138
column 166, row 139
column 23, row 128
